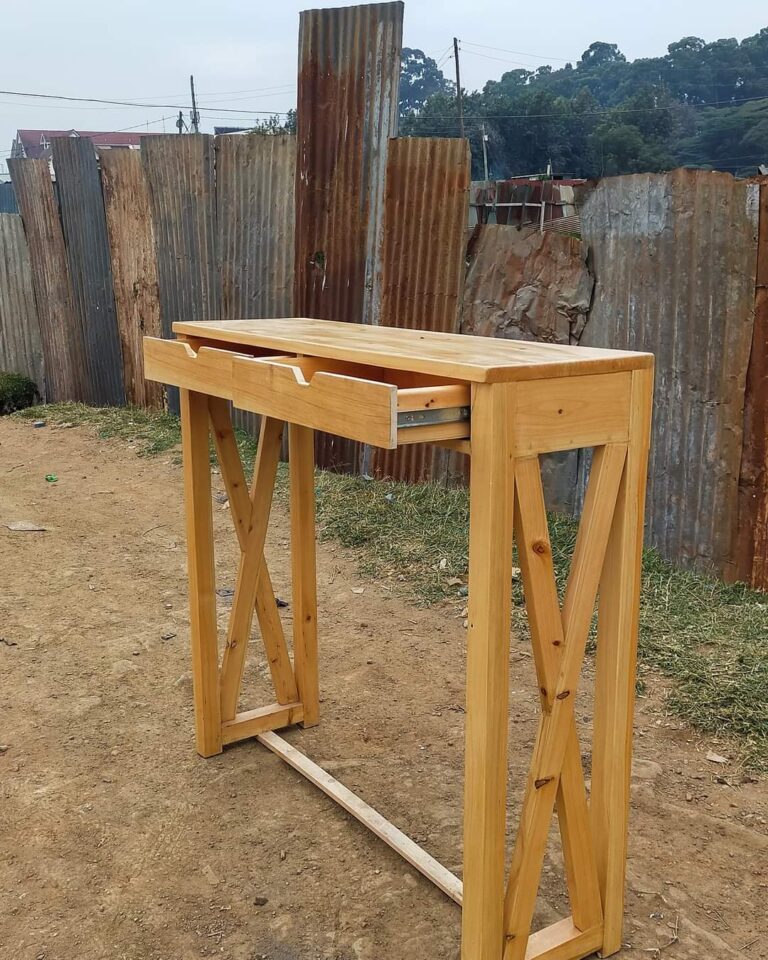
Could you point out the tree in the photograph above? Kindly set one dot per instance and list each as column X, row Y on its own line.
column 420, row 79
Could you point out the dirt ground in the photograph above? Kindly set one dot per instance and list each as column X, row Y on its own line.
column 117, row 841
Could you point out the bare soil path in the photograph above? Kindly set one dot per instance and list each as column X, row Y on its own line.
column 117, row 841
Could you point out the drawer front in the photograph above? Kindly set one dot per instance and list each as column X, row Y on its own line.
column 364, row 410
column 175, row 363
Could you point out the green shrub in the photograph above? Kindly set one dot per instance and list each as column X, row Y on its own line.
column 16, row 392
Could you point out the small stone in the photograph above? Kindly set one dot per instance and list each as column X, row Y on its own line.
column 38, row 423
column 260, row 901
column 463, row 591
column 689, row 797
column 167, row 636
column 282, row 854
column 4, row 748
column 168, row 605
column 646, row 769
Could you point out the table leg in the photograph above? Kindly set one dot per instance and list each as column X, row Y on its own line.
column 201, row 571
column 487, row 705
column 615, row 671
column 302, row 472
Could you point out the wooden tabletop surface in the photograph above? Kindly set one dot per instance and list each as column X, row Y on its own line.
column 478, row 359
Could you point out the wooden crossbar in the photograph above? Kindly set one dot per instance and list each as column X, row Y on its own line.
column 410, row 851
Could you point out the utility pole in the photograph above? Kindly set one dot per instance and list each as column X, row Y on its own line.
column 458, row 88
column 180, row 124
column 194, row 116
column 485, row 151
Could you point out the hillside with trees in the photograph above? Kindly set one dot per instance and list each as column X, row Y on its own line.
column 701, row 105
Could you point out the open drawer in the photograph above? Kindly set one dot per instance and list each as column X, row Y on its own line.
column 384, row 408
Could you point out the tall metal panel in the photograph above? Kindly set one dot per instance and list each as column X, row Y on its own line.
column 180, row 174
column 85, row 236
column 20, row 347
column 134, row 269
column 255, row 223
column 422, row 270
column 674, row 260
column 60, row 331
column 255, row 216
column 349, row 73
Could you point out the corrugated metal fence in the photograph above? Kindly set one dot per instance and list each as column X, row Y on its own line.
column 20, row 348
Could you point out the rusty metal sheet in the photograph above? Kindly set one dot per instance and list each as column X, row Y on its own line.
column 8, row 198
column 674, row 256
column 255, row 213
column 60, row 331
column 422, row 270
column 349, row 74
column 20, row 347
column 255, row 221
column 181, row 178
column 134, row 269
column 85, row 238
column 752, row 558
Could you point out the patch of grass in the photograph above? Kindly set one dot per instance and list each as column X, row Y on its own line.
column 152, row 431
column 709, row 638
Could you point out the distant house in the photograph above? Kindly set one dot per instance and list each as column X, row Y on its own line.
column 36, row 144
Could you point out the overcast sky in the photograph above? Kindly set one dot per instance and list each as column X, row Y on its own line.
column 243, row 54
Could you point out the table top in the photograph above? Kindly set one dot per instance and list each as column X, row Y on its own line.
column 477, row 359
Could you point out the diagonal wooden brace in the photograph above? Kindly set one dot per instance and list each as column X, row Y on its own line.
column 241, row 505
column 545, row 620
column 556, row 733
column 250, row 566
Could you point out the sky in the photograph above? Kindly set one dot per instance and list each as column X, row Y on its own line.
column 243, row 54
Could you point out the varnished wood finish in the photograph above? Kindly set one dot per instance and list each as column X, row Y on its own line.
column 617, row 627
column 526, row 399
column 201, row 572
column 485, row 758
column 475, row 359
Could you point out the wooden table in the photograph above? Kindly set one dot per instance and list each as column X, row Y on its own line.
column 503, row 403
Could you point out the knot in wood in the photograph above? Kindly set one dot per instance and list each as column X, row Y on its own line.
column 542, row 782
column 564, row 694
column 540, row 546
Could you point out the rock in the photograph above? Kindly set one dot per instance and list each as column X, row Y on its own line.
column 4, row 748
column 716, row 758
column 260, row 901
column 184, row 681
column 646, row 769
column 121, row 668
column 38, row 423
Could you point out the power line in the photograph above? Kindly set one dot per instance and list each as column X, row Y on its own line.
column 119, row 103
column 519, row 53
column 591, row 113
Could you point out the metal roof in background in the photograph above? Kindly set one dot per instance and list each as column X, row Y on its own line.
column 674, row 259
column 134, row 268
column 85, row 239
column 60, row 331
column 349, row 75
column 20, row 347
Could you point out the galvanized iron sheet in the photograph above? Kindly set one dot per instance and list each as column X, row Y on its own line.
column 674, row 260
column 85, row 238
column 60, row 331
column 349, row 74
column 8, row 198
column 255, row 220
column 134, row 269
column 752, row 559
column 180, row 173
column 422, row 270
column 20, row 347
